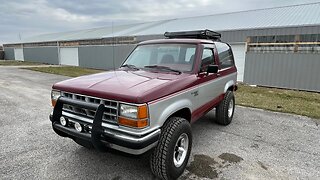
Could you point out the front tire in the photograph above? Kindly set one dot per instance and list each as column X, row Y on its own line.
column 170, row 157
column 225, row 110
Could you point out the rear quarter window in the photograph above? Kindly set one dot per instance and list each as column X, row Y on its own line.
column 225, row 55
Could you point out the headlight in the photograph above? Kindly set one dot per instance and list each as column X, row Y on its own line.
column 133, row 116
column 128, row 111
column 55, row 94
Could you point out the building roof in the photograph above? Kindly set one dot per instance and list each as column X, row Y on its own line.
column 288, row 16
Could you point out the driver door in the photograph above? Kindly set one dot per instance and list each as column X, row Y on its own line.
column 208, row 91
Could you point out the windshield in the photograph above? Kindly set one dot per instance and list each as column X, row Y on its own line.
column 178, row 57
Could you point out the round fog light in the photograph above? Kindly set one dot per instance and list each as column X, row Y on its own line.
column 78, row 126
column 63, row 121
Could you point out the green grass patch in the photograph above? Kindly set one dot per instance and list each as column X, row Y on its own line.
column 280, row 100
column 70, row 71
column 17, row 63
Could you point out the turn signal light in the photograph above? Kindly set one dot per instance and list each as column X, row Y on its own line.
column 55, row 94
column 142, row 112
column 140, row 123
column 53, row 102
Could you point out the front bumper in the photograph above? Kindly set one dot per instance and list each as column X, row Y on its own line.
column 101, row 137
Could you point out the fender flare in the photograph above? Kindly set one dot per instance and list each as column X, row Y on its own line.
column 229, row 84
column 174, row 107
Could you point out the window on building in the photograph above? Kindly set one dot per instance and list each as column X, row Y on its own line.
column 306, row 43
column 308, row 38
column 309, row 47
column 266, row 39
column 284, row 38
column 253, row 39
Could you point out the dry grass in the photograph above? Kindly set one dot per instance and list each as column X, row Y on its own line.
column 280, row 100
column 17, row 63
column 65, row 70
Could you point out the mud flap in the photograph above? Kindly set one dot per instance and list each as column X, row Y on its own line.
column 97, row 129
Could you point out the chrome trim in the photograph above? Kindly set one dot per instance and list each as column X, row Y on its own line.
column 88, row 96
column 230, row 108
column 114, row 127
column 133, row 139
column 119, row 102
column 75, row 117
column 132, row 151
column 129, row 130
column 181, row 150
column 110, row 115
column 124, row 138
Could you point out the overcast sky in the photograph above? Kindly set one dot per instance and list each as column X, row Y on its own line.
column 27, row 18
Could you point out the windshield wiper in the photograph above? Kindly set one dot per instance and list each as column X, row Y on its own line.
column 163, row 68
column 130, row 66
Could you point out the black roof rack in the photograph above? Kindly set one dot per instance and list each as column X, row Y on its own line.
column 200, row 34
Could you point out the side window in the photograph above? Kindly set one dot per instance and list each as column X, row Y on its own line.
column 189, row 57
column 225, row 55
column 207, row 59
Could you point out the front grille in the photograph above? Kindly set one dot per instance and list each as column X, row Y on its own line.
column 110, row 114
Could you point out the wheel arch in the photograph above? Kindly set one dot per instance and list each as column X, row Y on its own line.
column 230, row 86
column 183, row 113
column 181, row 108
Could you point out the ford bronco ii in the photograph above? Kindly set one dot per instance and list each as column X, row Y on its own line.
column 150, row 102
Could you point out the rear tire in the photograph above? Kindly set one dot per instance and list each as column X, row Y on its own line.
column 225, row 110
column 170, row 157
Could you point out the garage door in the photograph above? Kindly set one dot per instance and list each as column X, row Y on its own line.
column 18, row 54
column 69, row 56
column 239, row 57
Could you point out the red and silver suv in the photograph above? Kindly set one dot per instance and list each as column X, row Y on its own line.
column 150, row 102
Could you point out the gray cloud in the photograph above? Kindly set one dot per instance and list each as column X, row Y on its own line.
column 33, row 17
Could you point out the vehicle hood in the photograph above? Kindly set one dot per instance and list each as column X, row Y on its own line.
column 128, row 86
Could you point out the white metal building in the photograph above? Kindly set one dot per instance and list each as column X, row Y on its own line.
column 246, row 31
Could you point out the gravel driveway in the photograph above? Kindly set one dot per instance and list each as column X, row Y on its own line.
column 257, row 145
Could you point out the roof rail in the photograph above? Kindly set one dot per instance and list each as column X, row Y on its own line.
column 200, row 34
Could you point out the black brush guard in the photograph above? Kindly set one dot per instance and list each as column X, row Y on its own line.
column 97, row 137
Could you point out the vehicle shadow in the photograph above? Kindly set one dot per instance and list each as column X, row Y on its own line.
column 93, row 164
column 111, row 164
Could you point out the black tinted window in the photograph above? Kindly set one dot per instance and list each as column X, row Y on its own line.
column 225, row 55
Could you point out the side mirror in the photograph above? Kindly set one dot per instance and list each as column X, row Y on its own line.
column 212, row 69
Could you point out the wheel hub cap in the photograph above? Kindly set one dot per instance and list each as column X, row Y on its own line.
column 230, row 108
column 181, row 150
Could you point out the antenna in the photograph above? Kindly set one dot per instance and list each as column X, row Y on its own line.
column 113, row 44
